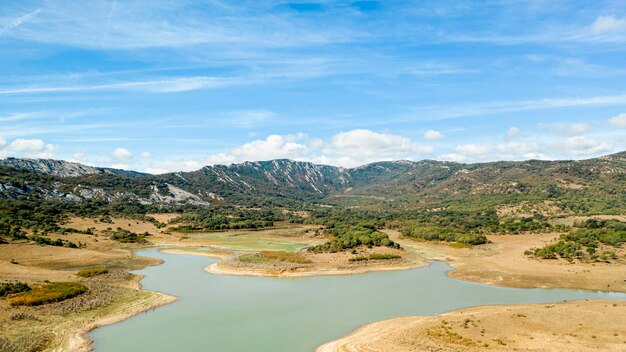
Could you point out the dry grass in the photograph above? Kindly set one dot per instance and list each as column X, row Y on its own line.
column 288, row 257
column 92, row 272
column 573, row 326
column 48, row 293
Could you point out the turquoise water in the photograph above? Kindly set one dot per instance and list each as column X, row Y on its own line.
column 238, row 313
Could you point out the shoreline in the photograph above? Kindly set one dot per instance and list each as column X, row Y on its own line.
column 78, row 341
column 405, row 332
column 221, row 269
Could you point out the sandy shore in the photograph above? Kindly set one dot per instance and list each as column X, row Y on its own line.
column 570, row 326
column 78, row 341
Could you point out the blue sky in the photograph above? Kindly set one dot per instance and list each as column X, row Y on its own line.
column 174, row 85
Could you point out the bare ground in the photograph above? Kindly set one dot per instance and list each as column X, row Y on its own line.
column 504, row 263
column 571, row 326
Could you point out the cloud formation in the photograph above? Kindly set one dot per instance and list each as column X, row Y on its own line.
column 122, row 153
column 349, row 149
column 618, row 121
column 29, row 148
column 432, row 135
column 604, row 24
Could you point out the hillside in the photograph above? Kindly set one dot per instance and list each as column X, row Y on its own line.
column 581, row 186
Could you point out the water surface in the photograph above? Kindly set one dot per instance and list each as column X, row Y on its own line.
column 241, row 313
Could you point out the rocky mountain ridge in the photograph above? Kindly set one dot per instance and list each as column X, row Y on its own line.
column 290, row 183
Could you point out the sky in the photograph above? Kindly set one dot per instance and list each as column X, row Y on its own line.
column 162, row 86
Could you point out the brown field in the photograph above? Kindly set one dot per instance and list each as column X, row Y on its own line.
column 571, row 326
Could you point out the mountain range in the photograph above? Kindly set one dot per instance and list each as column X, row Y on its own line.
column 593, row 184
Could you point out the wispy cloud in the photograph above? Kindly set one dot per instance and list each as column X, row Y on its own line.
column 16, row 22
column 146, row 24
column 169, row 85
column 432, row 113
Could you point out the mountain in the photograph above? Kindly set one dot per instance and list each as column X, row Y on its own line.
column 586, row 185
column 63, row 168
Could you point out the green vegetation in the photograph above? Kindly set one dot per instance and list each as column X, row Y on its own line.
column 384, row 256
column 44, row 241
column 593, row 240
column 374, row 256
column 348, row 236
column 48, row 293
column 358, row 259
column 92, row 272
column 226, row 218
column 10, row 288
column 263, row 256
column 125, row 236
column 444, row 234
column 349, row 229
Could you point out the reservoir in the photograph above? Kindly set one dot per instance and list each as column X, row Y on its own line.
column 261, row 314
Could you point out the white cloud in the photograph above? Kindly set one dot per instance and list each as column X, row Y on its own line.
column 453, row 157
column 604, row 24
column 146, row 154
column 349, row 149
column 27, row 145
column 518, row 148
column 30, row 148
column 368, row 145
column 248, row 118
column 273, row 147
column 619, row 120
column 579, row 146
column 122, row 166
column 432, row 135
column 169, row 85
column 566, row 129
column 171, row 166
column 514, row 133
column 122, row 153
column 536, row 156
column 473, row 149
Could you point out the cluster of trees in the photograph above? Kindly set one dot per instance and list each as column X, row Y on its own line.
column 227, row 218
column 593, row 240
column 444, row 234
column 349, row 229
column 125, row 236
column 45, row 241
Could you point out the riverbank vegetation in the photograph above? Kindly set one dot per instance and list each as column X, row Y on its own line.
column 92, row 272
column 375, row 256
column 47, row 293
column 264, row 256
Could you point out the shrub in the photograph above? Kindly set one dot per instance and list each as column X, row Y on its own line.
column 48, row 293
column 444, row 234
column 384, row 256
column 375, row 256
column 125, row 236
column 358, row 259
column 92, row 272
column 296, row 258
column 12, row 288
